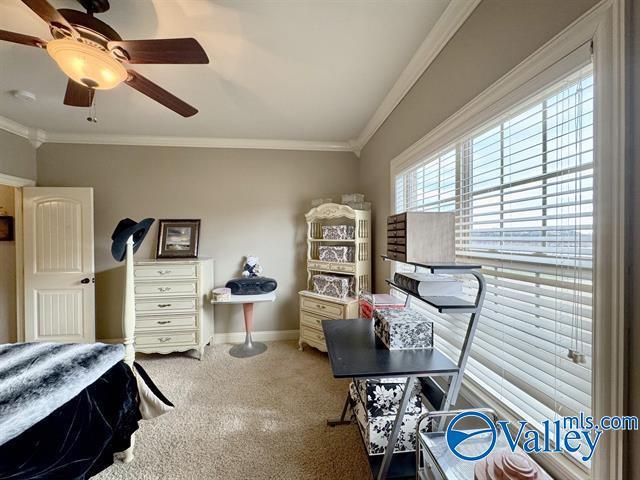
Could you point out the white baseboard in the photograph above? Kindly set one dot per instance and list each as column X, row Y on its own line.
column 265, row 336
column 236, row 337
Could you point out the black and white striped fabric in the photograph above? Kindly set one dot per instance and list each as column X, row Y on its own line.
column 37, row 378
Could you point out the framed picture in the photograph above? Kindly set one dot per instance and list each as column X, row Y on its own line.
column 178, row 238
column 6, row 229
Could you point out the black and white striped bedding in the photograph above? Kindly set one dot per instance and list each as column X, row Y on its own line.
column 38, row 378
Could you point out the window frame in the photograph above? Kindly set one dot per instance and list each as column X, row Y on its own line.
column 603, row 28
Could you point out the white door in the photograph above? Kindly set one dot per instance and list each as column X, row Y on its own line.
column 59, row 282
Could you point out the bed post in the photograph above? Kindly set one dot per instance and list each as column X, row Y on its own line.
column 128, row 327
column 129, row 312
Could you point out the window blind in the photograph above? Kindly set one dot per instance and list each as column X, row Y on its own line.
column 522, row 191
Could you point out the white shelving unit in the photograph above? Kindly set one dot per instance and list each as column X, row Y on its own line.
column 313, row 307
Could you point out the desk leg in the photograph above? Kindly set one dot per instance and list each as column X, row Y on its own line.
column 395, row 431
column 341, row 421
column 249, row 348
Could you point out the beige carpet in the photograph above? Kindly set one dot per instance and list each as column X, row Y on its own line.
column 236, row 419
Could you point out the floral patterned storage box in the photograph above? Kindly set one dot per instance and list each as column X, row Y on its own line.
column 338, row 232
column 335, row 253
column 332, row 285
column 382, row 396
column 376, row 430
column 403, row 329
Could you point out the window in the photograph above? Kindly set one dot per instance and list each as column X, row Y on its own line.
column 522, row 191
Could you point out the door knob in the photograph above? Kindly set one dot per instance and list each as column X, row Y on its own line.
column 85, row 280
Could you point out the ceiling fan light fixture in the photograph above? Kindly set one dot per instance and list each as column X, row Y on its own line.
column 87, row 65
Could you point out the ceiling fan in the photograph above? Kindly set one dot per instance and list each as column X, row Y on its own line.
column 95, row 57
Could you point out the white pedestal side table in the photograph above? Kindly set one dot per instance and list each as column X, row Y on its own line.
column 249, row 348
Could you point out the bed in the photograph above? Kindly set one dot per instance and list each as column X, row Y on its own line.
column 67, row 410
column 64, row 409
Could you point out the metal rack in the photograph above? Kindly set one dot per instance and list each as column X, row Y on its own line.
column 450, row 304
column 438, row 397
column 354, row 353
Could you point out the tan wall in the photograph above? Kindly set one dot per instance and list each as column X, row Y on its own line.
column 250, row 202
column 497, row 36
column 17, row 156
column 7, row 275
column 18, row 159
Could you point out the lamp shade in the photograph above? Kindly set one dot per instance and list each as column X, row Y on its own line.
column 86, row 64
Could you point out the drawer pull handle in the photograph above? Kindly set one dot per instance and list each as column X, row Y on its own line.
column 164, row 289
column 164, row 305
column 164, row 272
column 321, row 307
column 164, row 339
column 163, row 322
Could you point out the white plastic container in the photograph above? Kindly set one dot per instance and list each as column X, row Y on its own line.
column 352, row 198
column 316, row 202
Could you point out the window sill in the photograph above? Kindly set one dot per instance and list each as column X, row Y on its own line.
column 557, row 465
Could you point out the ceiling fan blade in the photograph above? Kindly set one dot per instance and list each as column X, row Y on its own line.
column 159, row 94
column 22, row 39
column 49, row 14
column 78, row 95
column 167, row 51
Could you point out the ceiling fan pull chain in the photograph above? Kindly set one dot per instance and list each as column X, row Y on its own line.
column 93, row 116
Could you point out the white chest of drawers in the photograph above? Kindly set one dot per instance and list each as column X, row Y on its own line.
column 173, row 313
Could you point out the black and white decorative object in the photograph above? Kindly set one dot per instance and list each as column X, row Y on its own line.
column 252, row 267
column 251, row 282
column 336, row 253
column 375, row 430
column 428, row 284
column 332, row 285
column 381, row 396
column 403, row 329
column 338, row 232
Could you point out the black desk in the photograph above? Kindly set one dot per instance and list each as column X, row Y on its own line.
column 355, row 352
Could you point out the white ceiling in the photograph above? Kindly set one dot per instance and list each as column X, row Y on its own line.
column 313, row 70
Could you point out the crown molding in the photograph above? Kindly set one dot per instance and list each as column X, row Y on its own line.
column 37, row 137
column 447, row 25
column 14, row 127
column 11, row 181
column 34, row 135
column 199, row 142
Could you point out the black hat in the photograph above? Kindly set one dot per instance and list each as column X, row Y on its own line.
column 123, row 231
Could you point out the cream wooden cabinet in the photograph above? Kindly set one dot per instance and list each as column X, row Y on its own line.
column 314, row 308
column 173, row 313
